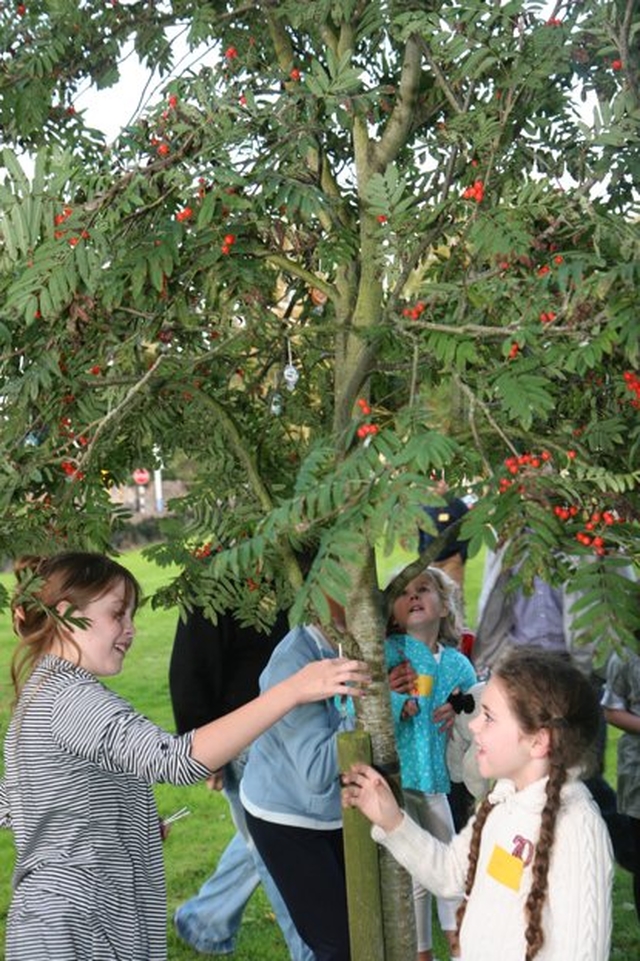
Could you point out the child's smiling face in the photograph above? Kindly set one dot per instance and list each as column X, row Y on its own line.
column 504, row 750
column 108, row 635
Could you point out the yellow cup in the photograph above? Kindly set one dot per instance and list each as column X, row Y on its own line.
column 423, row 685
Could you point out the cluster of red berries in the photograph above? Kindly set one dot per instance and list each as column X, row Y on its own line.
column 616, row 65
column 413, row 313
column 229, row 241
column 365, row 430
column 514, row 350
column 295, row 74
column 201, row 552
column 59, row 219
column 521, row 463
column 545, row 268
column 70, row 469
column 548, row 316
column 593, row 527
column 633, row 384
column 474, row 192
column 185, row 214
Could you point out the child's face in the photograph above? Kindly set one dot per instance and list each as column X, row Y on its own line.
column 419, row 605
column 108, row 635
column 503, row 748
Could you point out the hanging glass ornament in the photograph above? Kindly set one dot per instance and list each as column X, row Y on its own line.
column 276, row 404
column 291, row 376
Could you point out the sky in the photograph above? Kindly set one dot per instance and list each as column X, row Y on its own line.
column 114, row 108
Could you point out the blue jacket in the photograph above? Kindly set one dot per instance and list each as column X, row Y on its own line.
column 421, row 744
column 292, row 774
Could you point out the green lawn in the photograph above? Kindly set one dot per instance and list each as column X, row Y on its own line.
column 196, row 842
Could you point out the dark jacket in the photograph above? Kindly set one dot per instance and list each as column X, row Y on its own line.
column 214, row 668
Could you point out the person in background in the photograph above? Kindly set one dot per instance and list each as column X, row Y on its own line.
column 621, row 703
column 426, row 625
column 80, row 764
column 535, row 864
column 453, row 556
column 214, row 668
column 291, row 794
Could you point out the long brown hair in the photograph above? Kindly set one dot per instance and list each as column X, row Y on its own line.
column 545, row 691
column 74, row 577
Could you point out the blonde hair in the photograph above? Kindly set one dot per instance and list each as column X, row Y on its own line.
column 449, row 592
column 74, row 577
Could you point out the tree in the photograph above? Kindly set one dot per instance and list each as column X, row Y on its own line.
column 376, row 242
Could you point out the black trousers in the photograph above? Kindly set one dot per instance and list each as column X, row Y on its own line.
column 308, row 868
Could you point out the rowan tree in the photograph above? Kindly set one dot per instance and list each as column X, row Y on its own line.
column 368, row 245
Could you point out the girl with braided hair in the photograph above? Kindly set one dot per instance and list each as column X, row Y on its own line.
column 534, row 865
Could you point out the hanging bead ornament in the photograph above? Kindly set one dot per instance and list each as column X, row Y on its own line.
column 276, row 404
column 291, row 376
column 290, row 373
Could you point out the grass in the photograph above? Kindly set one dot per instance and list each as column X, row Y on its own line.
column 196, row 842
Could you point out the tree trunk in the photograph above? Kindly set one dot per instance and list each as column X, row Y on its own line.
column 366, row 621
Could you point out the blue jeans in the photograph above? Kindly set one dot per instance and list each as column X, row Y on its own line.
column 210, row 920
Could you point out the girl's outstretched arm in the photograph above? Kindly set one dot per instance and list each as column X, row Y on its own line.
column 216, row 743
column 364, row 788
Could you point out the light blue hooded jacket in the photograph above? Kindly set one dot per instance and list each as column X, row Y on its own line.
column 292, row 775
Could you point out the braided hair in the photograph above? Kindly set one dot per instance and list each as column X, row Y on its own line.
column 545, row 691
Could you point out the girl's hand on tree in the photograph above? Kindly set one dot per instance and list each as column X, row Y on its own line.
column 324, row 679
column 366, row 789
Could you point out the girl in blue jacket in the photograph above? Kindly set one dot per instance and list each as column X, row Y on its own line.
column 427, row 621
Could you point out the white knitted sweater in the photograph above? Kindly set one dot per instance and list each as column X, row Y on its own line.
column 577, row 912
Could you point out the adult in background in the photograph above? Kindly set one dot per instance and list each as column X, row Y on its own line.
column 214, row 668
column 453, row 556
